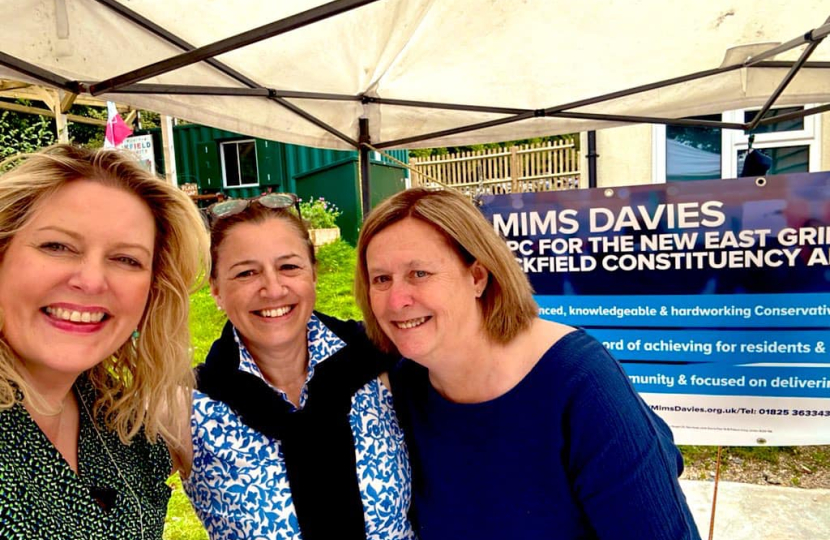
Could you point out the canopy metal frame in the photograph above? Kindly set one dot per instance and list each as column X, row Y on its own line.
column 131, row 83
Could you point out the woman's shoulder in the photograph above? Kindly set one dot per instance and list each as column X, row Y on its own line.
column 568, row 354
column 327, row 331
column 360, row 349
column 568, row 344
column 347, row 330
column 545, row 335
column 537, row 343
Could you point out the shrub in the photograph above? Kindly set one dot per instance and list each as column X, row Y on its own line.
column 320, row 213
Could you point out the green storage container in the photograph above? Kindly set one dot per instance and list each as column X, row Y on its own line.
column 339, row 183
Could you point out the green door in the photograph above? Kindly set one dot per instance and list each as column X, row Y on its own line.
column 207, row 166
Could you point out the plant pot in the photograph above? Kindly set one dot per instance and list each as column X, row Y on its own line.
column 321, row 237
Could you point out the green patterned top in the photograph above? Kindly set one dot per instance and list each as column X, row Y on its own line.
column 42, row 498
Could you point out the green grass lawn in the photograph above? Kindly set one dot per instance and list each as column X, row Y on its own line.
column 181, row 522
column 335, row 273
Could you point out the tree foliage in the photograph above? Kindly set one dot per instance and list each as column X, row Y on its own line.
column 24, row 133
column 88, row 135
column 149, row 120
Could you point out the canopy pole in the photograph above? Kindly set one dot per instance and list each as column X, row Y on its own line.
column 793, row 115
column 592, row 159
column 54, row 99
column 39, row 74
column 715, row 496
column 364, row 139
column 254, row 88
column 169, row 150
column 805, row 54
column 62, row 127
column 226, row 45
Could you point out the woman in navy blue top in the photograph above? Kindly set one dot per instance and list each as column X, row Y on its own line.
column 518, row 427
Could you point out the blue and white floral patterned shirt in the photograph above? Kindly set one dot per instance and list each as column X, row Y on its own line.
column 238, row 482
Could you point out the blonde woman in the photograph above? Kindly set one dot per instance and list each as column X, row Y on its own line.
column 97, row 257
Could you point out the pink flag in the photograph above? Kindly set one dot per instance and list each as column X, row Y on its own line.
column 117, row 130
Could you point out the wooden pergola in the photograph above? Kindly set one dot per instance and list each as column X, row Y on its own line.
column 56, row 105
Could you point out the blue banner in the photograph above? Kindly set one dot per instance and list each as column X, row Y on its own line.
column 710, row 288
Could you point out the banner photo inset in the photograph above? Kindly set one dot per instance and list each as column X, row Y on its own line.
column 714, row 295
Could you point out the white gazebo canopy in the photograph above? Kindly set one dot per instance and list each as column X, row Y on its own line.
column 423, row 72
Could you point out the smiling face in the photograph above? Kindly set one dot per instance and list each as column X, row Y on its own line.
column 75, row 278
column 265, row 281
column 422, row 294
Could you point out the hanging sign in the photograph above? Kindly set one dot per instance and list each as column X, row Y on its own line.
column 142, row 147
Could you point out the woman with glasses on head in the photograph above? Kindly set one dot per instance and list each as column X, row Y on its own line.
column 294, row 435
column 97, row 257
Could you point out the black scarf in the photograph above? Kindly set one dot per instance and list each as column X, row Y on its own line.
column 317, row 440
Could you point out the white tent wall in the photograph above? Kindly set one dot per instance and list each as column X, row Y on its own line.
column 528, row 55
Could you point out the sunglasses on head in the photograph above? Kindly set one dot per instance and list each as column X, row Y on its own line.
column 275, row 201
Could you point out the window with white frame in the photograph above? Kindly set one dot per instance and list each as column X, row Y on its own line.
column 682, row 153
column 239, row 165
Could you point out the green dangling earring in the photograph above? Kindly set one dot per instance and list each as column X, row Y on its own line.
column 134, row 337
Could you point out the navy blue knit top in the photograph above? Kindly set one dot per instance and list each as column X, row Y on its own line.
column 571, row 452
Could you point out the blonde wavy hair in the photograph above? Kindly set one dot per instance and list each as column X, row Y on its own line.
column 142, row 386
column 507, row 303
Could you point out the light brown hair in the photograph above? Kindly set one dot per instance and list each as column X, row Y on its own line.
column 507, row 302
column 137, row 387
